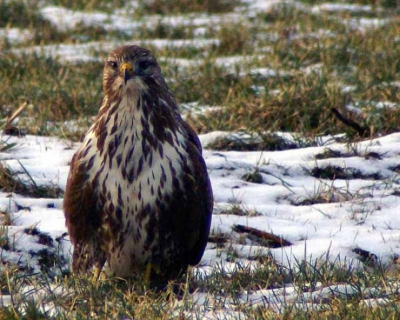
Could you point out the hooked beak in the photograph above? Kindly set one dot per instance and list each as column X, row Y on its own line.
column 126, row 71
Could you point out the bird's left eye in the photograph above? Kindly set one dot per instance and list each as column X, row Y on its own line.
column 144, row 64
column 112, row 64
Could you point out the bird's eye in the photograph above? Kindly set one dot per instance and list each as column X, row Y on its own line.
column 112, row 64
column 143, row 65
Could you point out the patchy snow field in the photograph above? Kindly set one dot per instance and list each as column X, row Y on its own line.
column 279, row 203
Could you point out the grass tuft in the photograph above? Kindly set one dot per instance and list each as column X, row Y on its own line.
column 184, row 6
column 10, row 182
column 334, row 172
column 239, row 210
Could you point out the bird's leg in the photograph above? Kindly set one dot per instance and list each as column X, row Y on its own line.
column 96, row 274
column 98, row 266
column 147, row 275
column 151, row 272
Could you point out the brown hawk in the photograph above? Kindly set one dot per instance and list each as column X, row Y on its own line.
column 138, row 193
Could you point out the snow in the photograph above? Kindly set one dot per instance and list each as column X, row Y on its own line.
column 123, row 20
column 386, row 104
column 277, row 299
column 64, row 19
column 357, row 107
column 15, row 35
column 258, row 6
column 335, row 7
column 86, row 51
column 366, row 23
column 265, row 73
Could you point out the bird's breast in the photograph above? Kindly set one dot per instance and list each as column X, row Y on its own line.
column 136, row 175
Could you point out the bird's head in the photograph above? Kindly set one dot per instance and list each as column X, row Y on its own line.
column 130, row 68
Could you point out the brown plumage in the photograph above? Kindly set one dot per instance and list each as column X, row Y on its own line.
column 138, row 193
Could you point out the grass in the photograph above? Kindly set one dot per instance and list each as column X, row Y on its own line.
column 298, row 101
column 185, row 6
column 374, row 4
column 65, row 91
column 10, row 182
column 78, row 297
column 315, row 56
column 240, row 210
column 91, row 5
column 18, row 14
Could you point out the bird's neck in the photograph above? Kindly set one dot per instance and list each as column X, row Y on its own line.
column 141, row 119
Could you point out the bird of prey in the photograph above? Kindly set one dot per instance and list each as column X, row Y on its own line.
column 138, row 198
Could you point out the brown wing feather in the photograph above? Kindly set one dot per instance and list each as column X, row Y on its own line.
column 203, row 192
column 187, row 218
column 81, row 214
column 202, row 222
column 191, row 134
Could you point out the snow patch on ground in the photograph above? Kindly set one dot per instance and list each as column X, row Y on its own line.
column 89, row 51
column 339, row 7
column 362, row 24
column 15, row 35
column 124, row 20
